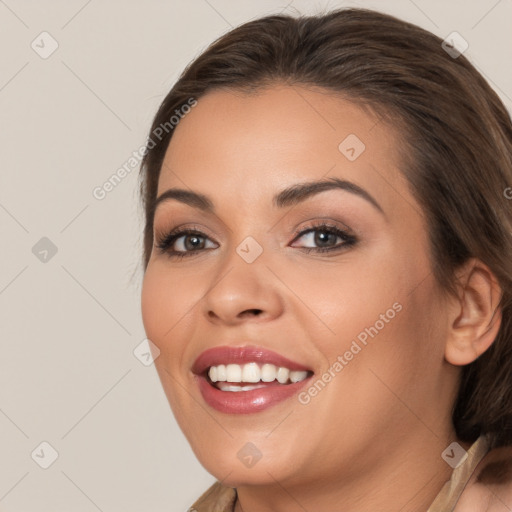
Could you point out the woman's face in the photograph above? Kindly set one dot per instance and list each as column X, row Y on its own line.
column 336, row 279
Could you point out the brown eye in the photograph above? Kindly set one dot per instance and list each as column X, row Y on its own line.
column 192, row 242
column 323, row 238
column 184, row 243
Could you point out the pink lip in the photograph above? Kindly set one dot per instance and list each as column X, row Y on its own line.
column 244, row 402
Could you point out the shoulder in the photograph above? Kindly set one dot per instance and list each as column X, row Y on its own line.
column 490, row 487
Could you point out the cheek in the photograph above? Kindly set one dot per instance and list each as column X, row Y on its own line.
column 166, row 300
column 164, row 307
column 361, row 298
column 152, row 307
column 387, row 319
column 164, row 315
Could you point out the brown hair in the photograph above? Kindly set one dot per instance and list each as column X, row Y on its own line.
column 456, row 152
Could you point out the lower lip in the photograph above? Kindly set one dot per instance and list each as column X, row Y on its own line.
column 246, row 402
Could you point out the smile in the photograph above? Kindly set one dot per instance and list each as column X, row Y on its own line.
column 242, row 380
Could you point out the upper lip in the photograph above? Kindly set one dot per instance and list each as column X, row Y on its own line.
column 241, row 355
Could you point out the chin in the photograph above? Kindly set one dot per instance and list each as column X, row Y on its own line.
column 246, row 465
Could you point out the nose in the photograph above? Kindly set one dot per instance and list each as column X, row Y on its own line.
column 243, row 292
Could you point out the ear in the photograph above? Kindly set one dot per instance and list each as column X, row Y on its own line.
column 475, row 316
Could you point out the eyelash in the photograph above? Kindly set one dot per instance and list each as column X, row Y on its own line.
column 165, row 242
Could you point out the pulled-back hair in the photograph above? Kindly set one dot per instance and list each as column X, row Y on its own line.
column 455, row 148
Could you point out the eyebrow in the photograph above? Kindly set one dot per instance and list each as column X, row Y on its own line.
column 288, row 197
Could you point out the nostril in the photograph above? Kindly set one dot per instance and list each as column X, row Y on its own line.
column 255, row 312
column 246, row 312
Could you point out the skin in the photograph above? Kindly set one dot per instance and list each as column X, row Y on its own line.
column 492, row 494
column 372, row 438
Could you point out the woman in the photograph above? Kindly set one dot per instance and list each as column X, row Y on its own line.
column 328, row 268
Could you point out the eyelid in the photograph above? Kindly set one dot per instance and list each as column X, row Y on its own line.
column 163, row 232
column 323, row 223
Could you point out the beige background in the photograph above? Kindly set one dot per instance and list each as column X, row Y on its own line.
column 69, row 325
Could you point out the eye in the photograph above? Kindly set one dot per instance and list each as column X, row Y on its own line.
column 183, row 242
column 326, row 237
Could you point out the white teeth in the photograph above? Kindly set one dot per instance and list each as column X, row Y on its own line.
column 253, row 373
column 224, row 386
column 268, row 373
column 221, row 373
column 233, row 373
column 298, row 376
column 282, row 375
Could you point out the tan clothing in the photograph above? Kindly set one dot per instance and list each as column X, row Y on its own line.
column 448, row 496
column 219, row 498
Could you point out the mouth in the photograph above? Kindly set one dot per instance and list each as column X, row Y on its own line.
column 242, row 380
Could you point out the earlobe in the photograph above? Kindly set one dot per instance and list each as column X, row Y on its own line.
column 476, row 317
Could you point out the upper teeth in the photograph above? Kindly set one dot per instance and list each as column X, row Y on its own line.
column 251, row 372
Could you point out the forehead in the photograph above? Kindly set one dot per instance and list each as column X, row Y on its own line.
column 261, row 142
